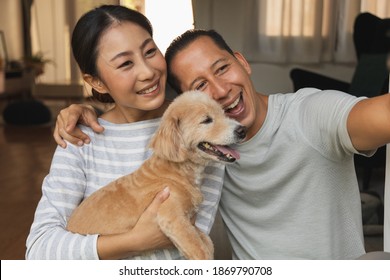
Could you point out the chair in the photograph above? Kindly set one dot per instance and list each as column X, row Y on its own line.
column 371, row 38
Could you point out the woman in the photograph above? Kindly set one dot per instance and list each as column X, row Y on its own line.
column 118, row 58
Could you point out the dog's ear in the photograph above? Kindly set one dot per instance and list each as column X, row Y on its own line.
column 167, row 142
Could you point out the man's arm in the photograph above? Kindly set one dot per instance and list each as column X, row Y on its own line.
column 66, row 124
column 369, row 123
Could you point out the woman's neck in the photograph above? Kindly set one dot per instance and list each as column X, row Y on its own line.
column 120, row 115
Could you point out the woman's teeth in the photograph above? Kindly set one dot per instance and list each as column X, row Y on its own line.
column 149, row 90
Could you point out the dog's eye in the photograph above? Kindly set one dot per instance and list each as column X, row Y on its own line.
column 207, row 120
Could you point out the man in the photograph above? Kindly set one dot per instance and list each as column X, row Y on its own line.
column 293, row 194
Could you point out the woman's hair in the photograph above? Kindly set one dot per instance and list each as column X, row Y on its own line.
column 182, row 41
column 88, row 31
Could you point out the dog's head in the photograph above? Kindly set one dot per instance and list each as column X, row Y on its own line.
column 195, row 128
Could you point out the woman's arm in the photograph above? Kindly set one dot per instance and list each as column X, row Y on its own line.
column 63, row 190
column 145, row 236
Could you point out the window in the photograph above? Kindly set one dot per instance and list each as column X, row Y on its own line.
column 305, row 31
column 53, row 21
column 169, row 18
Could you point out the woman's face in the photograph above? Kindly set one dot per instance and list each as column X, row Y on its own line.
column 131, row 67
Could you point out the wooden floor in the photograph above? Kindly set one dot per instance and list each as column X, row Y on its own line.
column 25, row 156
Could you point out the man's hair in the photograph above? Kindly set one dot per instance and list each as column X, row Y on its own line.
column 182, row 41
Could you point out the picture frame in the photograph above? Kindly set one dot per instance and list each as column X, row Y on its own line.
column 3, row 49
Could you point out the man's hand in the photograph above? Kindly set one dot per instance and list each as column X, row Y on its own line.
column 66, row 125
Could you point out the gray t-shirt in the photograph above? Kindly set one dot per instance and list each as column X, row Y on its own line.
column 294, row 192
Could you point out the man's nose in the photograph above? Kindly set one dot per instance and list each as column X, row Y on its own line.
column 219, row 90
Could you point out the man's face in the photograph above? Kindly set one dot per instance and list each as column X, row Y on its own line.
column 202, row 65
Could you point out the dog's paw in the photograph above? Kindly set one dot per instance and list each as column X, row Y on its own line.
column 200, row 254
column 203, row 250
column 208, row 245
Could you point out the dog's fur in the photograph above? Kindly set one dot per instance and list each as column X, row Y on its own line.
column 178, row 161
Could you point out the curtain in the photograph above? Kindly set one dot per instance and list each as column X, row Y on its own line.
column 304, row 31
column 52, row 23
column 26, row 12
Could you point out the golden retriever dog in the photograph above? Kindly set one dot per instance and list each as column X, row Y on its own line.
column 193, row 131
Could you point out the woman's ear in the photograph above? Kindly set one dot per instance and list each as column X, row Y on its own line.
column 95, row 83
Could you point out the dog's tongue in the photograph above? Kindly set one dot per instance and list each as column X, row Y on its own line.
column 228, row 150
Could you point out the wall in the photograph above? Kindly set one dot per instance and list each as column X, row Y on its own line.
column 50, row 35
column 227, row 17
column 11, row 25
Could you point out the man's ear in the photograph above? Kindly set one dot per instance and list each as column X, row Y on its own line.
column 243, row 62
column 95, row 83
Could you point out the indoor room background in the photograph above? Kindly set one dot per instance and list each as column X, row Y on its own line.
column 276, row 36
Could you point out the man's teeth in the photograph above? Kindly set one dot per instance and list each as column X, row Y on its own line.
column 149, row 90
column 234, row 104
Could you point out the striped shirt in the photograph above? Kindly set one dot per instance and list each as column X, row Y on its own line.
column 77, row 172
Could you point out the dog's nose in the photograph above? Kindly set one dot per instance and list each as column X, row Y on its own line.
column 240, row 132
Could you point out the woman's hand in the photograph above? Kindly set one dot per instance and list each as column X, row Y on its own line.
column 148, row 228
column 66, row 124
column 146, row 235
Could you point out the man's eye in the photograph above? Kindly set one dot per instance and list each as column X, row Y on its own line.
column 200, row 86
column 207, row 120
column 223, row 68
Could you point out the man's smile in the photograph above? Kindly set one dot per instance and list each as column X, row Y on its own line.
column 235, row 108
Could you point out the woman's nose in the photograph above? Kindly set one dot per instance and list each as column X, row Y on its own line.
column 145, row 71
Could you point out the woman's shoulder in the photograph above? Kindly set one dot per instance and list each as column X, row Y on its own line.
column 152, row 123
column 119, row 132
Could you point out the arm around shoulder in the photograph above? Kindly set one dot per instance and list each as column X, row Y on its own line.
column 66, row 124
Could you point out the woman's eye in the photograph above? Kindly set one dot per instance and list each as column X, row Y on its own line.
column 151, row 52
column 126, row 63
